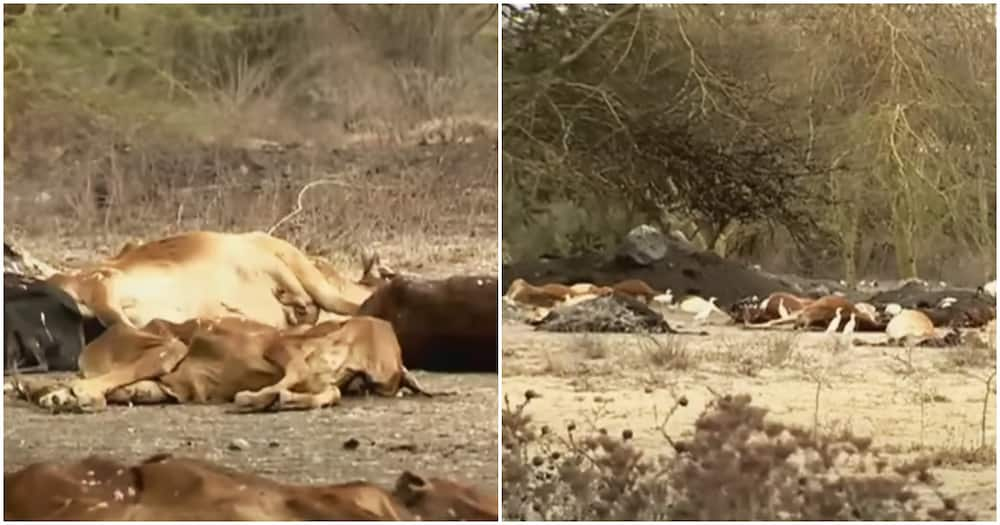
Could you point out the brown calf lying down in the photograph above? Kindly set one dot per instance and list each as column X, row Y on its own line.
column 444, row 324
column 636, row 288
column 545, row 296
column 204, row 275
column 231, row 359
column 164, row 488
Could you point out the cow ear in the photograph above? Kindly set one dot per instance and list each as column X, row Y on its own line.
column 386, row 272
column 369, row 261
column 410, row 487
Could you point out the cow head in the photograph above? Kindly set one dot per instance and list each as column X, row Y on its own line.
column 73, row 285
column 434, row 499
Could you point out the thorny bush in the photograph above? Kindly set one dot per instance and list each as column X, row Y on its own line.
column 736, row 466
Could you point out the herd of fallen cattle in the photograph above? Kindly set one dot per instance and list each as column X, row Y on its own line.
column 243, row 318
column 909, row 315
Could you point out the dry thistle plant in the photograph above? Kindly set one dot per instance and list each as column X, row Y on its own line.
column 737, row 465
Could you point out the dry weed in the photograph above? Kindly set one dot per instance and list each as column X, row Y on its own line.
column 738, row 465
column 667, row 353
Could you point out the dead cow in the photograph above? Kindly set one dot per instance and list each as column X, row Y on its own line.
column 230, row 359
column 44, row 330
column 165, row 488
column 445, row 325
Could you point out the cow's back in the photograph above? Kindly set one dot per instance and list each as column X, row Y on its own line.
column 446, row 325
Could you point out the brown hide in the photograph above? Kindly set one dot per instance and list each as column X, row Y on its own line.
column 232, row 360
column 446, row 324
column 164, row 488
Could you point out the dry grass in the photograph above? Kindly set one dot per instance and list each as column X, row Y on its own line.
column 886, row 394
column 669, row 353
column 401, row 202
column 406, row 150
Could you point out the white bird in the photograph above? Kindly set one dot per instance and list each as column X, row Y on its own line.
column 765, row 302
column 893, row 309
column 845, row 336
column 782, row 311
column 990, row 288
column 666, row 297
column 701, row 316
column 947, row 302
column 835, row 323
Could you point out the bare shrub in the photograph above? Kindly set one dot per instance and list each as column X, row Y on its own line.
column 670, row 352
column 779, row 349
column 738, row 465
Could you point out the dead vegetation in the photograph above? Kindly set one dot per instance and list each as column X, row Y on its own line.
column 219, row 117
column 738, row 464
column 914, row 403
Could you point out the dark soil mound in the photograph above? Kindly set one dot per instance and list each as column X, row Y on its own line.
column 969, row 309
column 611, row 313
column 682, row 269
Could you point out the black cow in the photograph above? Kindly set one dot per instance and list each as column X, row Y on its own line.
column 446, row 325
column 44, row 330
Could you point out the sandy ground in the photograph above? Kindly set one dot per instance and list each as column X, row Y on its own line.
column 611, row 381
column 413, row 433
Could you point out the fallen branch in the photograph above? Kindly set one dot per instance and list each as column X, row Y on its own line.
column 298, row 203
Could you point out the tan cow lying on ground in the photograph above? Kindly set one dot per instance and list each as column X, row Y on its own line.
column 231, row 359
column 205, row 275
column 165, row 488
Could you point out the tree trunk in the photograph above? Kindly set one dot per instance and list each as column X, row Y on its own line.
column 849, row 244
column 906, row 259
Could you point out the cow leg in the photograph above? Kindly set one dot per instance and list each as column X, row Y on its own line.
column 288, row 400
column 89, row 394
column 145, row 392
column 292, row 291
column 296, row 371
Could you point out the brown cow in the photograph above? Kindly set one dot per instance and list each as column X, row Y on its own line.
column 820, row 312
column 770, row 308
column 165, row 488
column 636, row 288
column 231, row 359
column 444, row 324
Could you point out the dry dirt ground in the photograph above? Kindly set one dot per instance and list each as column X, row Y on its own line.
column 428, row 210
column 453, row 436
column 622, row 381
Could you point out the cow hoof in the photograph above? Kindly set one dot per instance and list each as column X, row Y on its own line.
column 60, row 399
column 243, row 399
column 254, row 400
